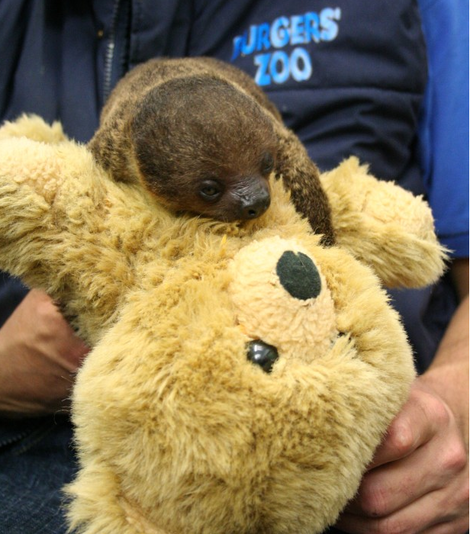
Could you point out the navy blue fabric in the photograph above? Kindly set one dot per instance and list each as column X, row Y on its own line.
column 12, row 292
column 36, row 461
column 54, row 73
column 428, row 311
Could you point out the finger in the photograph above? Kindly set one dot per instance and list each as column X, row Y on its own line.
column 458, row 526
column 76, row 353
column 434, row 466
column 428, row 515
column 58, row 339
column 389, row 488
column 417, row 423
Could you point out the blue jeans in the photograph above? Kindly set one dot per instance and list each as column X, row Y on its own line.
column 36, row 460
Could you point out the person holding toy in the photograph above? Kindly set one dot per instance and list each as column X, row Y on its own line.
column 339, row 102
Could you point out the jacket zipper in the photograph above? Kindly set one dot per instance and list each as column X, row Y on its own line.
column 110, row 49
column 14, row 439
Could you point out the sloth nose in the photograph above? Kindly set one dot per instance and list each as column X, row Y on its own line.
column 255, row 205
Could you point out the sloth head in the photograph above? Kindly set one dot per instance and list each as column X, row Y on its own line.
column 202, row 145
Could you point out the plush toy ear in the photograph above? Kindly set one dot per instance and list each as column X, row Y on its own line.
column 384, row 226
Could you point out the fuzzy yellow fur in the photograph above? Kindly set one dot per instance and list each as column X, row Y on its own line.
column 383, row 225
column 177, row 432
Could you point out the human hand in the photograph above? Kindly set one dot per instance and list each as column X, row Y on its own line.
column 39, row 356
column 418, row 481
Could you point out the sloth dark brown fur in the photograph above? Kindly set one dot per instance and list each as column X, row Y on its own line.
column 203, row 137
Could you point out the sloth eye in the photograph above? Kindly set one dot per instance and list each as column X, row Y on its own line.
column 267, row 163
column 210, row 190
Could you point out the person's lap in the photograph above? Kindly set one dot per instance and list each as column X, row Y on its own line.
column 36, row 460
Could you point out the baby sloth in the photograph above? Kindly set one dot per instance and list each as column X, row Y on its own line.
column 202, row 137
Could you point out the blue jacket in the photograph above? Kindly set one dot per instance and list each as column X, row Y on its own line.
column 348, row 77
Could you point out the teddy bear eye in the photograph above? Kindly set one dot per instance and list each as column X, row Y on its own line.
column 262, row 354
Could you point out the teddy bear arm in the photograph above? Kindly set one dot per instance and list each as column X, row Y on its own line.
column 34, row 128
column 57, row 232
column 384, row 225
column 21, row 242
column 30, row 165
column 23, row 211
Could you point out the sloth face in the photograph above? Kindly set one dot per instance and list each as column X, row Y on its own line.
column 221, row 191
column 237, row 195
column 205, row 147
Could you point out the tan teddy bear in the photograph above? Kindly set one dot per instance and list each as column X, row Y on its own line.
column 242, row 374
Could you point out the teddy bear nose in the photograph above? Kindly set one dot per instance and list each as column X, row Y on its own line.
column 298, row 275
column 262, row 354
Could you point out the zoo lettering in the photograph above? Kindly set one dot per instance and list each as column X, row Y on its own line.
column 279, row 66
